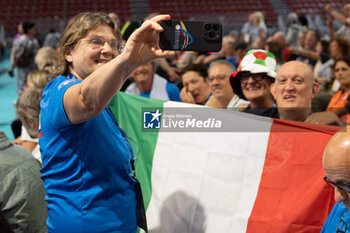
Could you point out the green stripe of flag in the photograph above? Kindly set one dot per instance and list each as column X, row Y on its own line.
column 121, row 105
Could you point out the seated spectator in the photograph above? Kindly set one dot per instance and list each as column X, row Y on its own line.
column 219, row 83
column 228, row 49
column 280, row 38
column 257, row 71
column 259, row 43
column 115, row 17
column 195, row 85
column 311, row 40
column 241, row 48
column 344, row 19
column 36, row 79
column 248, row 29
column 338, row 105
column 294, row 30
column 338, row 47
column 342, row 74
column 277, row 50
column 293, row 90
column 150, row 85
column 232, row 51
column 301, row 39
column 52, row 39
column 45, row 58
column 336, row 164
column 260, row 29
column 227, row 52
column 21, row 189
column 28, row 110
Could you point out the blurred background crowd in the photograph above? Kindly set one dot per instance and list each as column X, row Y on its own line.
column 316, row 33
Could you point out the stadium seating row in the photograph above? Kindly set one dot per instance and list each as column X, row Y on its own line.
column 54, row 13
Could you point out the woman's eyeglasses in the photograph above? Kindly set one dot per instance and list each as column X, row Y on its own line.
column 98, row 43
column 256, row 77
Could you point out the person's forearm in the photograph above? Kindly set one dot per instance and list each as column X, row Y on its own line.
column 307, row 53
column 331, row 32
column 164, row 64
column 210, row 58
column 341, row 112
column 338, row 16
column 87, row 99
column 100, row 86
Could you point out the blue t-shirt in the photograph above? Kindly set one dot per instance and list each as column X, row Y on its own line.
column 86, row 168
column 331, row 224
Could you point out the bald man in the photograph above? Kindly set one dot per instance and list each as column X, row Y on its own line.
column 336, row 163
column 293, row 89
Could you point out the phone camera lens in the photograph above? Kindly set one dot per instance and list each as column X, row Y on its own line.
column 211, row 34
column 216, row 27
column 207, row 26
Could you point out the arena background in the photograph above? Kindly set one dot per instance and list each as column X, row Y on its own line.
column 231, row 13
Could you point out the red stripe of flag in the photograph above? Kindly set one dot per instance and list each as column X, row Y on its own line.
column 292, row 195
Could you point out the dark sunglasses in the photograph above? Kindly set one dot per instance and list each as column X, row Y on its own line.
column 256, row 77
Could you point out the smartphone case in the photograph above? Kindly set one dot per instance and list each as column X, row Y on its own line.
column 184, row 35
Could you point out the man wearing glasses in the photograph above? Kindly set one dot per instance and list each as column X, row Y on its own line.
column 219, row 83
column 336, row 163
column 252, row 81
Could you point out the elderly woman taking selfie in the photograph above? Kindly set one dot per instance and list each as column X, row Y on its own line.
column 87, row 159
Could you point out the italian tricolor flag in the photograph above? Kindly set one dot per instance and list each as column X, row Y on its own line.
column 263, row 180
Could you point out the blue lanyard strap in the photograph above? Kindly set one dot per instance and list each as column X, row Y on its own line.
column 71, row 76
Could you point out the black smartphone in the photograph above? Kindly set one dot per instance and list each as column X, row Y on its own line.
column 185, row 35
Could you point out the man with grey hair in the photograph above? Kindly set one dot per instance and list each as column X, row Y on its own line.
column 293, row 89
column 150, row 85
column 219, row 83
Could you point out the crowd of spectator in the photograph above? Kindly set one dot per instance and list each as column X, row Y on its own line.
column 292, row 75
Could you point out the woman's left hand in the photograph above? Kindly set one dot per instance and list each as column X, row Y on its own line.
column 142, row 46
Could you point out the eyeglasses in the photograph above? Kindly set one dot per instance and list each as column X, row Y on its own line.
column 245, row 77
column 219, row 78
column 98, row 43
column 342, row 187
